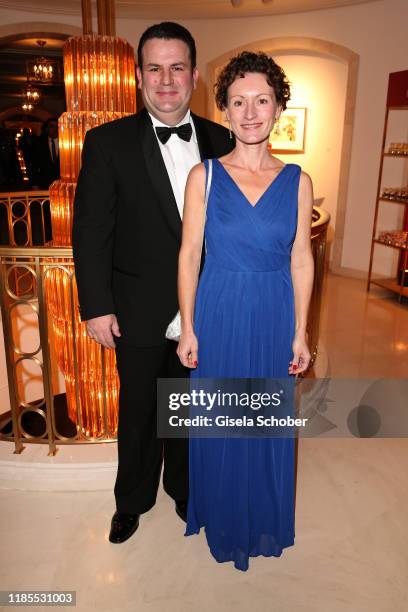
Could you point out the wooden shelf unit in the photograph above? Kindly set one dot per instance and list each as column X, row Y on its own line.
column 397, row 100
column 393, row 200
column 395, row 154
column 393, row 246
column 390, row 284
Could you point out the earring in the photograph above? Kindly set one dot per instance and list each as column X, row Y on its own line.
column 229, row 129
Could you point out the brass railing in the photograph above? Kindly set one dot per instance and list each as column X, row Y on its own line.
column 46, row 418
column 25, row 218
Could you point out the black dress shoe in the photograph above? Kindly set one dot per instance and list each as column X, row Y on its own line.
column 181, row 510
column 123, row 526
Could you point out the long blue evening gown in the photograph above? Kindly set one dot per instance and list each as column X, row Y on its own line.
column 242, row 489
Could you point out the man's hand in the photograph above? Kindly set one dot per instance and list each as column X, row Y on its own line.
column 102, row 330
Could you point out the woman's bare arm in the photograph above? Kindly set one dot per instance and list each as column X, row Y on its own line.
column 302, row 269
column 189, row 261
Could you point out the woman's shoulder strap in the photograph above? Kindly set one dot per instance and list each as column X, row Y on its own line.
column 208, row 178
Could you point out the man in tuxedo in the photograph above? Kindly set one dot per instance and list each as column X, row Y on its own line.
column 126, row 238
column 46, row 163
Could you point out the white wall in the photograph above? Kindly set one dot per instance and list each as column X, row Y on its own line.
column 377, row 31
column 318, row 83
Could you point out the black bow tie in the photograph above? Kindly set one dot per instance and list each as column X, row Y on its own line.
column 183, row 131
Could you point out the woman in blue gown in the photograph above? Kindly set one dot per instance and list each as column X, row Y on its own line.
column 247, row 316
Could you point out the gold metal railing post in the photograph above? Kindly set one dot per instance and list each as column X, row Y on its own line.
column 9, row 354
column 74, row 352
column 46, row 362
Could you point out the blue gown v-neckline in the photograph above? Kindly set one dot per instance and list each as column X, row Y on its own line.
column 262, row 196
column 241, row 490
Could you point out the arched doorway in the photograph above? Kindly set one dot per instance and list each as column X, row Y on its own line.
column 20, row 44
column 32, row 29
column 20, row 122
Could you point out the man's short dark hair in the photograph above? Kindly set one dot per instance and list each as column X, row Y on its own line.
column 46, row 124
column 167, row 30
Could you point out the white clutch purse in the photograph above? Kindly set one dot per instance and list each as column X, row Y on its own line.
column 173, row 330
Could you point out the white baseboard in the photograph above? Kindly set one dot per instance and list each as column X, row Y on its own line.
column 350, row 272
column 75, row 467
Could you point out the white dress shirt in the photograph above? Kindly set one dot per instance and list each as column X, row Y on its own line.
column 50, row 146
column 179, row 157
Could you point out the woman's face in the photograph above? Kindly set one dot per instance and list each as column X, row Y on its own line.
column 252, row 108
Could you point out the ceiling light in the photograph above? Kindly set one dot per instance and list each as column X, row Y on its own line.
column 42, row 69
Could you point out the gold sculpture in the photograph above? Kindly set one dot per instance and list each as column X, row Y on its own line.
column 99, row 73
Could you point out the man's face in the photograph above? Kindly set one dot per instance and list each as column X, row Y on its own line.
column 166, row 79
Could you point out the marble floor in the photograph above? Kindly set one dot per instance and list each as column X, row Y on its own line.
column 350, row 553
column 363, row 334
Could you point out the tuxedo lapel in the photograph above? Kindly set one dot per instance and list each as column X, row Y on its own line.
column 157, row 172
column 203, row 140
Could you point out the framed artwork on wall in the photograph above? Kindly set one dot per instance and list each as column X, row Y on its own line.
column 288, row 134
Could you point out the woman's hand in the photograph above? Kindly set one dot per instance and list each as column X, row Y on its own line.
column 187, row 350
column 301, row 355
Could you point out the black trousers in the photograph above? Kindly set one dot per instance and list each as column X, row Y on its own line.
column 140, row 453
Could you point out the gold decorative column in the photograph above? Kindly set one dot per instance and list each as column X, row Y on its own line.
column 99, row 74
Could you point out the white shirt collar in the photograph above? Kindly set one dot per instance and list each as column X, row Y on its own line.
column 156, row 122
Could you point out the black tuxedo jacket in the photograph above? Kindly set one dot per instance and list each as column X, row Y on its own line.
column 45, row 169
column 127, row 228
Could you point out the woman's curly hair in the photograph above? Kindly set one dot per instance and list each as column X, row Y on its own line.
column 248, row 61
